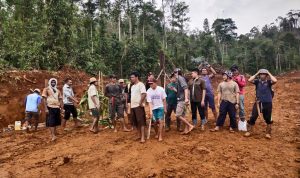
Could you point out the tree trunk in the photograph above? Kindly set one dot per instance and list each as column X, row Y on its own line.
column 129, row 19
column 143, row 31
column 92, row 37
column 119, row 27
column 279, row 63
column 164, row 24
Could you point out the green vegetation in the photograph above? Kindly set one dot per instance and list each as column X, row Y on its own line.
column 124, row 35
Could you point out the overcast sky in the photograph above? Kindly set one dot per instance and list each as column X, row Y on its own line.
column 246, row 13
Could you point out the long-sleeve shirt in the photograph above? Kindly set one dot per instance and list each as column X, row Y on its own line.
column 241, row 81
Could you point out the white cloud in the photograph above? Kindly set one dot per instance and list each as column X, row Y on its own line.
column 246, row 13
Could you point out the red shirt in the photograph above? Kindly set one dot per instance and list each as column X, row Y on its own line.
column 241, row 81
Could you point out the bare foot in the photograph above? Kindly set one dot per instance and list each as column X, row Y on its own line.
column 160, row 139
column 156, row 136
column 115, row 130
column 142, row 141
column 190, row 129
column 93, row 131
column 53, row 138
column 214, row 130
column 126, row 130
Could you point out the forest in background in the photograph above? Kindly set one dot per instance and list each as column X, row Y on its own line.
column 119, row 36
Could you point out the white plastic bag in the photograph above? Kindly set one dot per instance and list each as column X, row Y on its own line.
column 242, row 125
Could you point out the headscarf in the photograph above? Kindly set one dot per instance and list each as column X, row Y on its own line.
column 50, row 86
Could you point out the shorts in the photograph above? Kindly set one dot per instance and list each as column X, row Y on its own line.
column 95, row 113
column 138, row 116
column 210, row 101
column 117, row 108
column 53, row 117
column 68, row 110
column 158, row 114
column 29, row 115
column 180, row 109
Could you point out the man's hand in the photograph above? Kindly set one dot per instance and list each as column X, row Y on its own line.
column 165, row 110
column 98, row 106
column 202, row 103
column 173, row 88
column 141, row 104
column 47, row 110
column 150, row 114
column 187, row 101
column 237, row 106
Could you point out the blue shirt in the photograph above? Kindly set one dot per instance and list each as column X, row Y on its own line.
column 209, row 89
column 263, row 90
column 32, row 102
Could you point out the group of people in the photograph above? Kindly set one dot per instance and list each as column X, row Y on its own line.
column 176, row 97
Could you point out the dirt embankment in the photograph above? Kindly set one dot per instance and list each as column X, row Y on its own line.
column 79, row 153
column 15, row 85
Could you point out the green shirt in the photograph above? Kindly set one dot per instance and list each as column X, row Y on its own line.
column 171, row 95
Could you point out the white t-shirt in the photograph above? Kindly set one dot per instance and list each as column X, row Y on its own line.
column 156, row 97
column 136, row 94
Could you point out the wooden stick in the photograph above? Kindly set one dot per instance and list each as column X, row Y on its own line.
column 149, row 129
column 258, row 110
column 159, row 74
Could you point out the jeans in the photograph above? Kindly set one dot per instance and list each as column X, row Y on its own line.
column 227, row 107
column 242, row 107
column 170, row 108
column 194, row 107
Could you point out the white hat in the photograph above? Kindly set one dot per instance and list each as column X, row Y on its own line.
column 37, row 90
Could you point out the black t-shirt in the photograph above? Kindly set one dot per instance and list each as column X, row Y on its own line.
column 128, row 91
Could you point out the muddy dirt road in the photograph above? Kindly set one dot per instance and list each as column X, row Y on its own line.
column 79, row 153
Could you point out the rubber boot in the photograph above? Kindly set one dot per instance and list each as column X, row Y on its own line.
column 249, row 130
column 268, row 131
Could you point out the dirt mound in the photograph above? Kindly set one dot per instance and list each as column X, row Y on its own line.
column 200, row 154
column 15, row 85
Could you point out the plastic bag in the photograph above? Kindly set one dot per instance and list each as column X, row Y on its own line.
column 242, row 125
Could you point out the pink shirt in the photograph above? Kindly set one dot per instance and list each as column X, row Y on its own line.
column 241, row 81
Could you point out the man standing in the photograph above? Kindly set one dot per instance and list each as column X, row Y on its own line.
column 182, row 100
column 171, row 92
column 32, row 104
column 241, row 81
column 209, row 97
column 150, row 76
column 264, row 95
column 94, row 104
column 123, row 94
column 197, row 94
column 114, row 92
column 53, row 105
column 128, row 100
column 138, row 95
column 69, row 102
column 228, row 95
column 156, row 97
